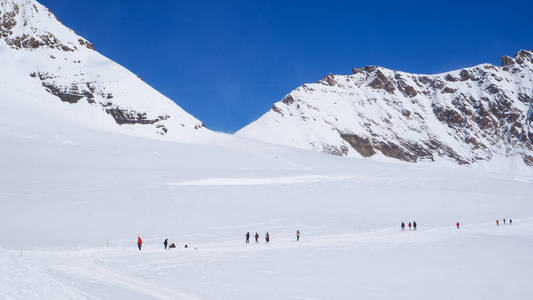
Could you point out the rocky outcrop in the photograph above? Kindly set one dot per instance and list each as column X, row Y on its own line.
column 125, row 116
column 71, row 93
column 362, row 145
column 21, row 28
column 82, row 89
column 63, row 64
column 381, row 81
column 465, row 115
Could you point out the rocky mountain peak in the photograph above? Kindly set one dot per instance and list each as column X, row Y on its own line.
column 26, row 24
column 45, row 63
column 467, row 115
column 522, row 58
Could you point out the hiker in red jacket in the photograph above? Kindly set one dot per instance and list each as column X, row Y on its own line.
column 497, row 222
column 410, row 225
column 457, row 225
column 139, row 242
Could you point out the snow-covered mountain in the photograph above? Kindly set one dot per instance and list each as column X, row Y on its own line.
column 47, row 69
column 467, row 115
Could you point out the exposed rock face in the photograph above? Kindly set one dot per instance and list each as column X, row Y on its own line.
column 72, row 93
column 123, row 116
column 58, row 62
column 84, row 89
column 21, row 26
column 466, row 115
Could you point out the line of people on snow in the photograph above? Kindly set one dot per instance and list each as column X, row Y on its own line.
column 498, row 222
column 411, row 225
column 458, row 225
column 267, row 237
column 165, row 244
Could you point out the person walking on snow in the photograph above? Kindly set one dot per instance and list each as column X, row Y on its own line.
column 139, row 242
column 503, row 221
column 409, row 226
column 497, row 222
column 403, row 226
column 247, row 237
column 414, row 225
column 510, row 221
column 267, row 237
column 165, row 243
column 457, row 225
column 257, row 237
column 297, row 235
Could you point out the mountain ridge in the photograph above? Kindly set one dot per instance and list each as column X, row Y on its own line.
column 43, row 59
column 466, row 115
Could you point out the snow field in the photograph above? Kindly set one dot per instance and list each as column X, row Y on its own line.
column 479, row 261
column 63, row 202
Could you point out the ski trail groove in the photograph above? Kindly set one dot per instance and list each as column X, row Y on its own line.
column 97, row 271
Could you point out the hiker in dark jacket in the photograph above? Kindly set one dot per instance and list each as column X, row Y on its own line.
column 267, row 237
column 257, row 237
column 247, row 237
column 403, row 226
column 414, row 225
column 297, row 235
column 166, row 244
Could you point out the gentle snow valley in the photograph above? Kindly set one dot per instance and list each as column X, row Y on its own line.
column 67, row 190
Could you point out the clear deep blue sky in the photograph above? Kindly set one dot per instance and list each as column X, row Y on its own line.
column 226, row 62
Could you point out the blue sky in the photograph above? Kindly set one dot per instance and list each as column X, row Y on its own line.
column 226, row 62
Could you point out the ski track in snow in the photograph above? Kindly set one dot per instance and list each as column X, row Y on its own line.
column 137, row 272
column 264, row 181
column 99, row 272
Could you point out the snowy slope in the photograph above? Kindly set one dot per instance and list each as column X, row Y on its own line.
column 467, row 115
column 47, row 69
column 68, row 190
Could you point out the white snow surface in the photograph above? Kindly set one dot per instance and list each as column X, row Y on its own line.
column 67, row 192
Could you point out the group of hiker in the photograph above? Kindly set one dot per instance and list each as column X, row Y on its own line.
column 165, row 244
column 498, row 222
column 267, row 237
column 171, row 246
column 410, row 225
column 458, row 225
